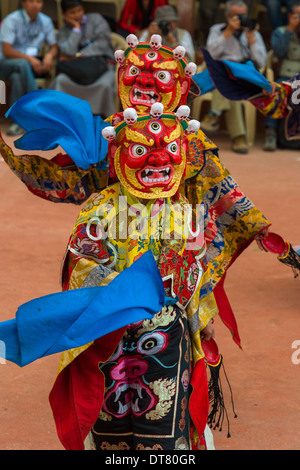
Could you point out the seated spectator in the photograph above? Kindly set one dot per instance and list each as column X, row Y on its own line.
column 285, row 42
column 233, row 42
column 87, row 35
column 276, row 15
column 137, row 15
column 209, row 11
column 166, row 25
column 22, row 35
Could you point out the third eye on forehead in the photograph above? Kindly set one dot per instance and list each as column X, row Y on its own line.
column 155, row 127
column 158, row 128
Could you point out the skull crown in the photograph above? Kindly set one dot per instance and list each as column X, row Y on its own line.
column 156, row 112
column 155, row 44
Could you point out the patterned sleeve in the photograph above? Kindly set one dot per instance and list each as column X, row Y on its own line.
column 50, row 181
column 275, row 107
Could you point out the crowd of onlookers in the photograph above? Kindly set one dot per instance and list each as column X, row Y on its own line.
column 239, row 39
column 81, row 52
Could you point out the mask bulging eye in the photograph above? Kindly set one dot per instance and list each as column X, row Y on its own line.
column 172, row 147
column 138, row 150
column 163, row 76
column 133, row 71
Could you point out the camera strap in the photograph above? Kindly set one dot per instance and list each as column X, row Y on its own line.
column 245, row 49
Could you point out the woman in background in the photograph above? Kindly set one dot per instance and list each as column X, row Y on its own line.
column 137, row 15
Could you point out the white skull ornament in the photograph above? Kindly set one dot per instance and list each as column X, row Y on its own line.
column 130, row 116
column 109, row 133
column 132, row 41
column 193, row 127
column 156, row 110
column 120, row 57
column 179, row 52
column 183, row 113
column 190, row 70
column 155, row 42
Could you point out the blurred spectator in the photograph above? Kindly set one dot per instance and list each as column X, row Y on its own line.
column 166, row 24
column 233, row 42
column 137, row 15
column 87, row 35
column 22, row 35
column 275, row 13
column 210, row 10
column 285, row 42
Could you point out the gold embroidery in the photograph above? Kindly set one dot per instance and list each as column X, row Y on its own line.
column 104, row 416
column 155, row 447
column 165, row 389
column 120, row 446
column 163, row 318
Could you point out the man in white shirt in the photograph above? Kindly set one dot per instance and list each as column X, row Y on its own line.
column 22, row 35
column 237, row 43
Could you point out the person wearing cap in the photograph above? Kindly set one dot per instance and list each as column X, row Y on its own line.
column 166, row 25
column 23, row 33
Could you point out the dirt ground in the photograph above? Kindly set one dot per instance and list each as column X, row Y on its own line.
column 263, row 293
